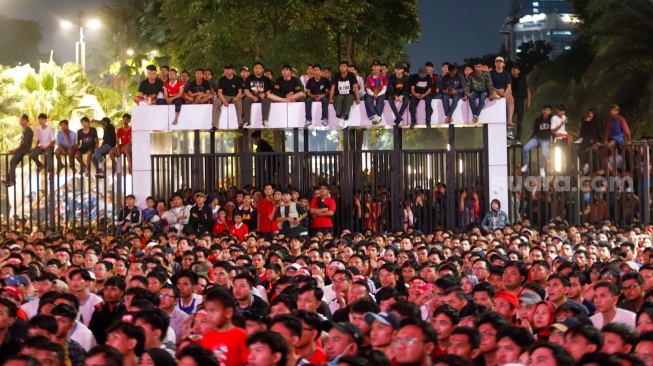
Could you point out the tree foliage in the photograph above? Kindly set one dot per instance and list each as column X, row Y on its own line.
column 530, row 54
column 19, row 41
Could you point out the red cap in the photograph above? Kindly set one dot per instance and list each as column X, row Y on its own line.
column 13, row 291
column 512, row 298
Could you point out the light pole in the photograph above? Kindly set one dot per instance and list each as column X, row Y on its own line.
column 80, row 47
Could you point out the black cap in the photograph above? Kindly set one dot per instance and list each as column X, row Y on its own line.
column 43, row 115
column 399, row 65
column 24, row 116
column 376, row 63
column 346, row 328
column 429, row 63
column 228, row 66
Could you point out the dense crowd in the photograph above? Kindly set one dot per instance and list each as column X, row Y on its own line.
column 265, row 280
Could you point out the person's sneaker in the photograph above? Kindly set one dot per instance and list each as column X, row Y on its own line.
column 213, row 129
column 398, row 121
column 101, row 161
column 542, row 172
column 412, row 125
column 376, row 120
column 99, row 174
column 308, row 122
column 265, row 123
column 516, row 142
column 341, row 122
column 325, row 122
column 246, row 124
column 345, row 123
column 524, row 168
column 579, row 141
column 509, row 135
column 118, row 165
column 428, row 124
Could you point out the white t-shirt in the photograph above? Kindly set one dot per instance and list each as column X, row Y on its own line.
column 45, row 135
column 87, row 309
column 82, row 335
column 557, row 121
column 622, row 316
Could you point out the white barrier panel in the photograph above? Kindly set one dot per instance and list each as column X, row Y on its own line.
column 150, row 118
column 292, row 115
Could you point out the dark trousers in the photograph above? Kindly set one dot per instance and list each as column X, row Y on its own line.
column 404, row 105
column 15, row 160
column 414, row 102
column 519, row 114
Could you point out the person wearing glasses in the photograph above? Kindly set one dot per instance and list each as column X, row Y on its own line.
column 169, row 296
column 633, row 292
column 414, row 344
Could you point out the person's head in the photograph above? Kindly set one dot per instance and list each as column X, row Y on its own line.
column 289, row 327
column 557, row 287
column 632, row 283
column 444, row 321
column 267, row 348
column 219, row 305
column 512, row 341
column 344, row 339
column 483, row 294
column 581, row 339
column 127, row 338
column 488, row 325
column 606, row 295
column 383, row 328
column 44, row 350
column 195, row 355
column 65, row 316
column 151, row 72
column 199, row 74
column 243, row 284
column 415, row 342
column 465, row 342
column 309, row 298
column 154, row 323
column 618, row 338
column 549, row 354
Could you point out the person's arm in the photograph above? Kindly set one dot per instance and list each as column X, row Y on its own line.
column 331, row 95
column 248, row 93
column 52, row 138
column 238, row 96
column 528, row 98
column 626, row 129
column 384, row 85
column 357, row 93
column 462, row 84
column 222, row 98
column 466, row 88
column 462, row 201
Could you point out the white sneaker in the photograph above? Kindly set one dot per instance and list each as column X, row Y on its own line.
column 341, row 122
column 265, row 123
column 345, row 123
column 325, row 122
column 586, row 169
column 246, row 124
column 377, row 120
column 542, row 172
column 524, row 168
column 580, row 140
column 308, row 123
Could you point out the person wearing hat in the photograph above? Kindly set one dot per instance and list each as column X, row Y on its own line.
column 109, row 141
column 376, row 86
column 173, row 93
column 420, row 89
column 87, row 141
column 316, row 90
column 344, row 339
column 201, row 215
column 344, row 90
column 230, row 91
column 398, row 92
column 130, row 215
column 256, row 90
column 502, row 82
column 384, row 327
column 20, row 151
column 44, row 145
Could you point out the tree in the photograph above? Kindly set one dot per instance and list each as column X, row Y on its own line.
column 530, row 54
column 20, row 41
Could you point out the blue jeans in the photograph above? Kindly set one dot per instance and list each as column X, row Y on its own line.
column 309, row 107
column 482, row 96
column 530, row 145
column 372, row 107
column 99, row 154
column 448, row 109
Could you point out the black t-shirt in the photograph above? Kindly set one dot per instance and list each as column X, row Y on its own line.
column 398, row 86
column 193, row 87
column 520, row 87
column 231, row 86
column 344, row 85
column 422, row 85
column 318, row 87
column 109, row 135
column 249, row 217
column 87, row 139
column 542, row 128
column 501, row 80
column 258, row 85
column 283, row 87
column 148, row 88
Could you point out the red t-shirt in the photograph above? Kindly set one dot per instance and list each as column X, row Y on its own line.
column 318, row 357
column 323, row 221
column 173, row 90
column 265, row 208
column 230, row 347
column 219, row 227
column 124, row 135
column 240, row 232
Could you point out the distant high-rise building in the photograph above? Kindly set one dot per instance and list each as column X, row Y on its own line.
column 552, row 21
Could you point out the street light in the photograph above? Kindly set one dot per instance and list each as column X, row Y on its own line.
column 80, row 47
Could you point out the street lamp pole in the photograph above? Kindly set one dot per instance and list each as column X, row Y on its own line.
column 80, row 47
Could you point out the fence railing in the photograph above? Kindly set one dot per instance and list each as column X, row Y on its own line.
column 69, row 200
column 590, row 185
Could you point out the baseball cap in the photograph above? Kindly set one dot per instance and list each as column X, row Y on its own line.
column 562, row 324
column 376, row 63
column 399, row 65
column 614, row 106
column 529, row 298
column 245, row 68
column 385, row 318
column 422, row 71
column 295, row 266
column 512, row 298
column 346, row 328
column 17, row 280
column 338, row 264
column 61, row 286
column 201, row 194
column 499, row 58
column 428, row 63
column 228, row 66
column 15, row 292
column 24, row 116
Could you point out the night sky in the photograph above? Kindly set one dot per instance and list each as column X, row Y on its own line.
column 449, row 33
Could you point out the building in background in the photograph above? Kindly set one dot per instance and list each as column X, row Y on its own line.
column 552, row 21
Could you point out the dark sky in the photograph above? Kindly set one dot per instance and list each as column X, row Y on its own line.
column 451, row 31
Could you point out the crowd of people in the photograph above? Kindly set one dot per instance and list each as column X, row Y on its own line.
column 265, row 280
column 343, row 88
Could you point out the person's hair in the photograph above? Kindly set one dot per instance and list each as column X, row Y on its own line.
column 151, row 68
column 561, row 356
column 28, row 360
column 446, row 282
column 244, row 276
column 427, row 329
column 86, row 276
column 287, row 299
column 130, row 331
column 518, row 335
column 449, row 312
column 12, row 309
column 192, row 276
column 599, row 358
column 473, row 336
column 222, row 296
column 158, row 275
column 202, row 356
column 42, row 343
column 311, row 319
column 633, row 276
column 112, row 357
column 291, row 323
column 406, row 310
column 495, row 319
column 631, row 359
column 317, row 292
column 521, row 267
column 563, row 279
column 271, row 339
column 363, row 306
column 485, row 287
column 627, row 334
column 614, row 289
column 64, row 310
column 45, row 322
column 115, row 282
column 156, row 318
column 591, row 334
column 460, row 293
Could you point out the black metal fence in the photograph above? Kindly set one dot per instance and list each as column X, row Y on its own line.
column 68, row 200
column 590, row 185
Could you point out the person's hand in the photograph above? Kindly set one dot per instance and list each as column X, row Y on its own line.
column 358, row 101
column 375, row 96
column 330, row 101
column 465, row 98
column 254, row 99
column 523, row 323
column 463, row 195
column 528, row 105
